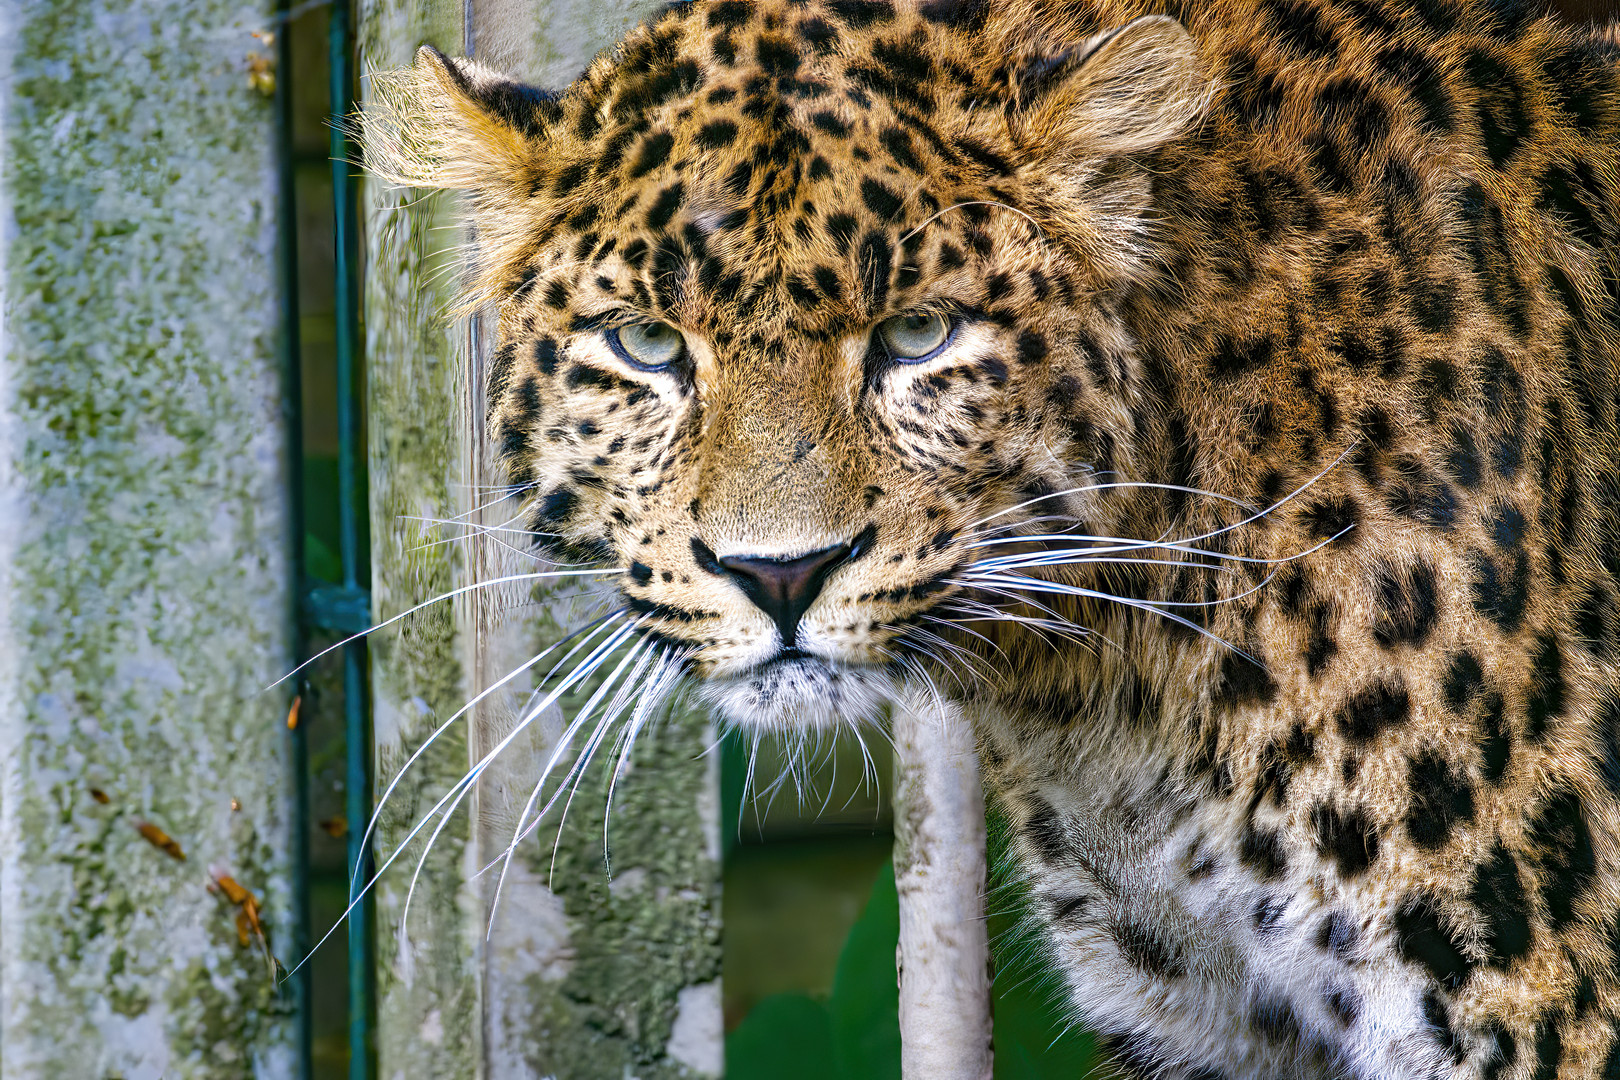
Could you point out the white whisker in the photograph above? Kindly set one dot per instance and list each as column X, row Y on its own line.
column 465, row 784
column 452, row 798
column 589, row 631
column 658, row 686
column 452, row 594
column 972, row 202
column 564, row 742
column 1038, row 585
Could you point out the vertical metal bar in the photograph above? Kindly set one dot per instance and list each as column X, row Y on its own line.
column 292, row 423
column 292, row 415
column 352, row 546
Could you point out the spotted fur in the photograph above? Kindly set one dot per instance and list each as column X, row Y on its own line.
column 1348, row 808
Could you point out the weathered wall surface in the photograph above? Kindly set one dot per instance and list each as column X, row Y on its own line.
column 143, row 580
column 585, row 976
column 429, row 996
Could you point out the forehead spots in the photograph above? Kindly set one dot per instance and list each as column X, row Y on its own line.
column 1562, row 840
column 663, row 207
column 641, row 94
column 652, row 153
column 1373, row 710
column 1145, row 948
column 776, row 55
column 1423, row 939
column 1408, row 605
column 1442, row 797
column 1497, row 893
column 1419, row 75
column 1301, row 28
column 1262, row 851
column 880, row 200
column 860, row 14
column 725, row 14
column 1547, row 689
column 818, row 34
column 1349, row 839
column 1505, row 113
column 1244, row 682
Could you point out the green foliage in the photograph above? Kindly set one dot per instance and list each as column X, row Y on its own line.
column 855, row 1033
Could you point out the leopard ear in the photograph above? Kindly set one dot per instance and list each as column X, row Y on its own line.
column 1122, row 92
column 455, row 124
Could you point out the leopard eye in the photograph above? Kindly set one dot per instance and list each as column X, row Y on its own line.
column 652, row 346
column 910, row 338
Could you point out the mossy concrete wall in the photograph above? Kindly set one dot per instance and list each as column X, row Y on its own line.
column 429, row 992
column 144, row 589
column 584, row 976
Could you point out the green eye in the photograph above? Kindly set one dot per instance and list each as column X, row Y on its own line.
column 648, row 345
column 910, row 338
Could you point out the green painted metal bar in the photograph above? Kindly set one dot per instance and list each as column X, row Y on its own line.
column 299, row 983
column 338, row 608
column 352, row 534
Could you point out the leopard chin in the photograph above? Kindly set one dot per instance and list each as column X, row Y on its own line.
column 801, row 692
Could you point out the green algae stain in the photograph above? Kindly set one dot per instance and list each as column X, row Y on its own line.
column 146, row 596
column 647, row 932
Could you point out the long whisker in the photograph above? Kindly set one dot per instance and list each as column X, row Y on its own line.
column 452, row 798
column 921, row 672
column 968, row 630
column 452, row 594
column 620, row 701
column 749, row 778
column 595, row 660
column 1083, row 556
column 955, row 650
column 1059, row 627
column 658, row 686
column 558, row 750
column 1110, row 485
column 1038, row 585
column 969, row 660
column 1062, row 557
column 972, row 202
column 572, row 780
column 1253, row 517
column 477, row 526
column 532, row 556
column 869, row 772
column 590, row 630
column 1052, row 614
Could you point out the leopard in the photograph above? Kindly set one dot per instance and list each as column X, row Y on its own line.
column 1214, row 400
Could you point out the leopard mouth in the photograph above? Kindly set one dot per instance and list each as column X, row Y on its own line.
column 794, row 690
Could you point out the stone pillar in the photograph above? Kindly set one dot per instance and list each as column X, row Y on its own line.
column 584, row 976
column 145, row 598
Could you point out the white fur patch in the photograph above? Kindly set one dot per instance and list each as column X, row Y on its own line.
column 799, row 694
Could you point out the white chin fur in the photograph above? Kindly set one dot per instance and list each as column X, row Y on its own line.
column 801, row 694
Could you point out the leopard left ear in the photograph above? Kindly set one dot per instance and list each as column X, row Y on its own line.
column 455, row 124
column 1129, row 90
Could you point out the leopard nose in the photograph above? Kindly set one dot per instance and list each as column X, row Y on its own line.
column 784, row 589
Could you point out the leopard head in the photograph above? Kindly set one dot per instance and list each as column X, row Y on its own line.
column 797, row 301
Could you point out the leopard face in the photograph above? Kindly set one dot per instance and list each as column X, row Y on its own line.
column 1223, row 411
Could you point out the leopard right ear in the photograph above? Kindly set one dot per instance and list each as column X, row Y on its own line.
column 456, row 124
column 1134, row 88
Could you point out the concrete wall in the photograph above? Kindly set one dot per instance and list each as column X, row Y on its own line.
column 143, row 580
column 585, row 975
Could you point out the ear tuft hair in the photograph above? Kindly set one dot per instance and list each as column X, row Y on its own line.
column 1122, row 92
column 454, row 124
